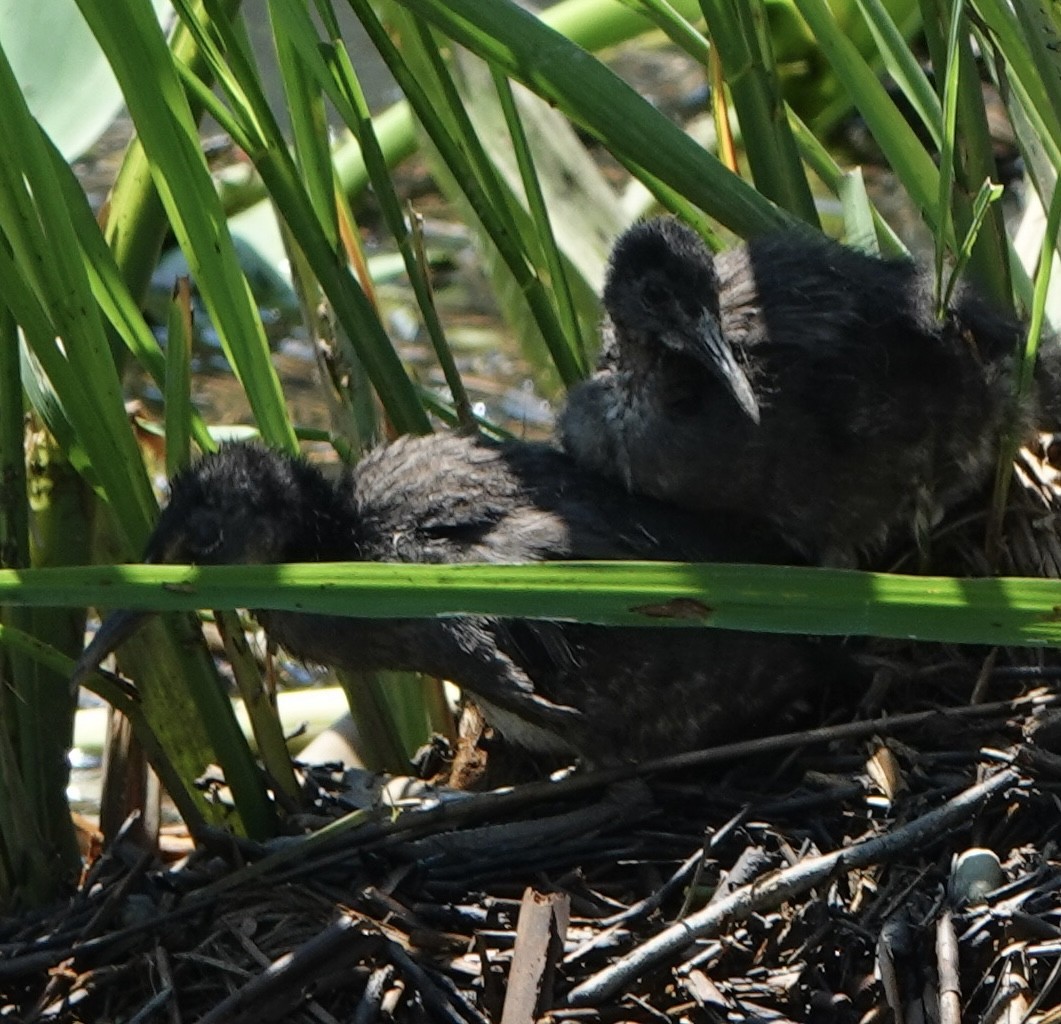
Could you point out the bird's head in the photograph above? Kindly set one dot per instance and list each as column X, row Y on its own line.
column 660, row 273
column 661, row 296
column 244, row 504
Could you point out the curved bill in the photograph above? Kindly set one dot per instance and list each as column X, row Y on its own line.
column 709, row 347
column 116, row 628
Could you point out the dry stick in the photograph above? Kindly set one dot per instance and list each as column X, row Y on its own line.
column 334, row 842
column 710, row 842
column 1044, row 992
column 292, row 971
column 950, row 988
column 391, row 999
column 490, row 976
column 165, row 974
column 540, row 933
column 437, row 1002
column 310, row 851
column 115, row 900
column 769, row 892
column 149, row 1010
column 368, row 1008
column 642, row 908
column 888, row 941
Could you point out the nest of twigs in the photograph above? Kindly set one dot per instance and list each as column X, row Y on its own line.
column 898, row 865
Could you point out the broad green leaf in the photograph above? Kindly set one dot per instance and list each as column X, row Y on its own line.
column 769, row 598
column 65, row 78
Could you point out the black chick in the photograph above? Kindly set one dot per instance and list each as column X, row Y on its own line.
column 800, row 381
column 550, row 686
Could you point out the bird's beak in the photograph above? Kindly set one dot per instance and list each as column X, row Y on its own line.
column 713, row 351
column 116, row 629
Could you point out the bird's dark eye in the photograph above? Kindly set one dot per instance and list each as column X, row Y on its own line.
column 654, row 293
column 204, row 533
column 691, row 306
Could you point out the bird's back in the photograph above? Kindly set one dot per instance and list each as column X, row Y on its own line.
column 895, row 414
column 802, row 289
column 456, row 498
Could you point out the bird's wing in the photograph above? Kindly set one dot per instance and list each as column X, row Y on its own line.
column 801, row 290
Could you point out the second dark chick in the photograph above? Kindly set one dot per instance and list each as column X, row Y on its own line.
column 603, row 693
column 800, row 381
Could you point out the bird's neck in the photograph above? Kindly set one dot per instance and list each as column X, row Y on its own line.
column 628, row 350
column 328, row 529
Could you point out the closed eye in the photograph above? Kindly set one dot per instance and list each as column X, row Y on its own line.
column 465, row 533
